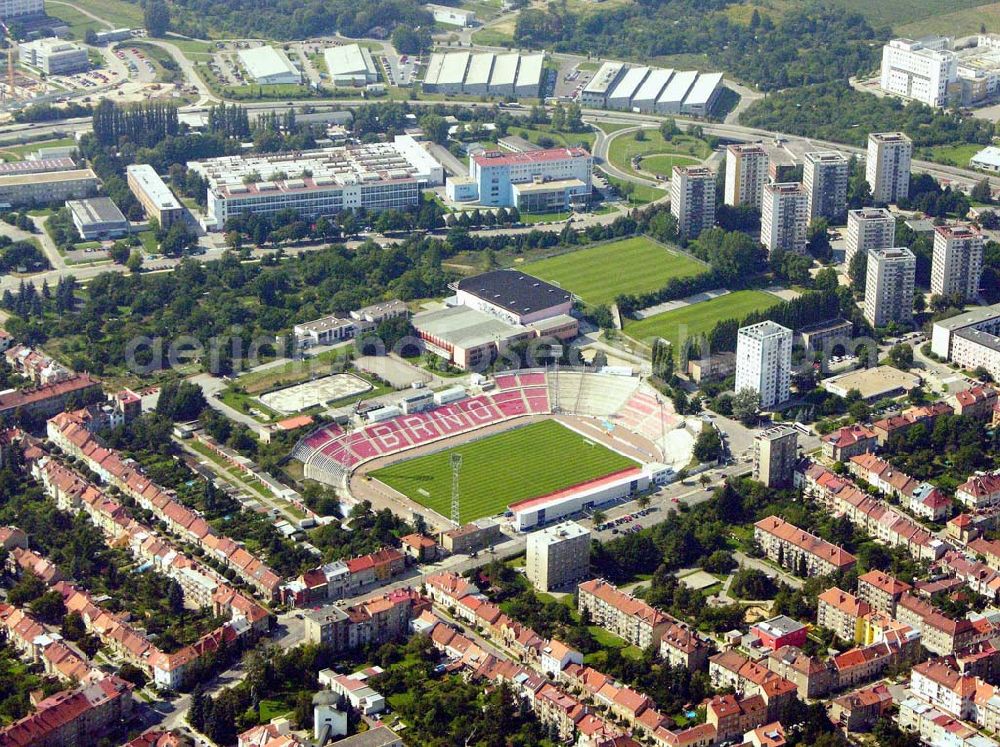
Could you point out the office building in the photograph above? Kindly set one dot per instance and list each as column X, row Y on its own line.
column 887, row 167
column 923, row 70
column 784, row 218
column 825, row 175
column 375, row 176
column 746, row 174
column 269, row 66
column 595, row 93
column 692, row 199
column 868, row 229
column 54, row 56
column 775, row 452
column 98, row 218
column 18, row 8
column 558, row 556
column 536, row 181
column 764, row 362
column 889, row 286
column 350, row 65
column 153, row 194
column 47, row 188
column 958, row 261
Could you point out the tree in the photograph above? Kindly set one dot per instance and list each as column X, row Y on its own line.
column 134, row 262
column 818, row 239
column 73, row 627
column 746, row 405
column 598, row 517
column 708, row 447
column 642, row 501
column 119, row 252
column 157, row 17
column 435, row 127
column 49, row 607
column 981, row 192
column 131, row 673
column 901, row 356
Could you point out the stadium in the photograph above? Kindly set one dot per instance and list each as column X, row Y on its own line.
column 570, row 440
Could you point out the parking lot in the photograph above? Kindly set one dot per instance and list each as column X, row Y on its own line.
column 139, row 66
column 93, row 79
column 570, row 81
column 400, row 70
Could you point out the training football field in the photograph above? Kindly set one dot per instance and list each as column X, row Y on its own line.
column 601, row 273
column 499, row 470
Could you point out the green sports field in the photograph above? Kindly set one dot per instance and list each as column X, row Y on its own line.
column 696, row 319
column 599, row 274
column 499, row 470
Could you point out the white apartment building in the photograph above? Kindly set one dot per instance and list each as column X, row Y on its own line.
column 958, row 261
column 558, row 556
column 784, row 218
column 889, row 286
column 922, row 70
column 16, row 8
column 867, row 229
column 534, row 180
column 376, row 176
column 692, row 199
column 746, row 174
column 887, row 168
column 825, row 175
column 764, row 362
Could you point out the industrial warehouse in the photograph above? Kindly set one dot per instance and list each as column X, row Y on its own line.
column 485, row 74
column 652, row 90
column 376, row 176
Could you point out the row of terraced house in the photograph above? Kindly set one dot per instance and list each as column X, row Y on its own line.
column 200, row 585
column 68, row 431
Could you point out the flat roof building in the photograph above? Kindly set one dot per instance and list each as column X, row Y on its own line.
column 452, row 75
column 375, row 176
column 533, row 181
column 37, row 166
column 595, row 93
column 825, row 175
column 153, row 194
column 269, row 66
column 957, row 264
column 451, row 16
column 558, row 556
column 764, row 362
column 692, row 199
column 54, row 56
column 47, row 187
column 873, row 383
column 775, row 453
column 784, row 218
column 977, row 317
column 98, row 218
column 19, row 8
column 350, row 65
column 746, row 174
column 887, row 166
column 868, row 229
column 514, row 296
column 889, row 286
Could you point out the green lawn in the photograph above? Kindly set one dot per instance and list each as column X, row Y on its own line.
column 697, row 319
column 543, row 217
column 641, row 194
column 116, row 12
column 625, row 147
column 599, row 274
column 559, row 138
column 18, row 152
column 950, row 155
column 79, row 24
column 663, row 165
column 504, row 469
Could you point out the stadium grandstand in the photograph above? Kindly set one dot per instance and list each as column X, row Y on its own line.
column 610, row 406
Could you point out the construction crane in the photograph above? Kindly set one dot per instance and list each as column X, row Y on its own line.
column 8, row 93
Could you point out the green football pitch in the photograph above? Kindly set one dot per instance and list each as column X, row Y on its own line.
column 506, row 468
column 699, row 318
column 601, row 273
